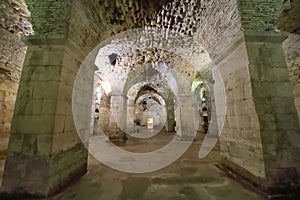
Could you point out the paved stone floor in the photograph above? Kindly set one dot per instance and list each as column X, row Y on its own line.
column 189, row 178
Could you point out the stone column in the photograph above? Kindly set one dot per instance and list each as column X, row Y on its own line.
column 104, row 112
column 44, row 151
column 274, row 103
column 170, row 123
column 188, row 117
column 170, row 126
column 261, row 132
column 118, row 118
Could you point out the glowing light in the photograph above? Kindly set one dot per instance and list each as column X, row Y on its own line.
column 106, row 86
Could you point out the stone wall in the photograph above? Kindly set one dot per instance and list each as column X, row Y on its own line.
column 14, row 23
column 43, row 129
column 104, row 112
column 292, row 52
column 11, row 63
column 259, row 15
column 240, row 139
column 49, row 17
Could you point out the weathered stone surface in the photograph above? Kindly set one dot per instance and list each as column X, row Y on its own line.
column 11, row 62
column 15, row 17
column 260, row 129
column 289, row 19
column 292, row 52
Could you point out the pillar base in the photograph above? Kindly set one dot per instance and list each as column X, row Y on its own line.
column 271, row 189
column 42, row 176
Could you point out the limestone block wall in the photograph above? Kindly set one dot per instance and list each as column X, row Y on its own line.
column 276, row 111
column 292, row 53
column 43, row 128
column 11, row 63
column 14, row 23
column 104, row 113
column 240, row 140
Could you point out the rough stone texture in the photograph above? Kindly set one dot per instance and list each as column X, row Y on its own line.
column 289, row 19
column 273, row 125
column 106, row 18
column 259, row 15
column 214, row 33
column 46, row 175
column 49, row 17
column 240, row 139
column 14, row 17
column 261, row 122
column 104, row 111
column 277, row 115
column 292, row 52
column 44, row 126
column 14, row 22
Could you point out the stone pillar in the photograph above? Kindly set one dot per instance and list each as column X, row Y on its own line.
column 45, row 152
column 261, row 132
column 170, row 123
column 188, row 117
column 118, row 118
column 291, row 48
column 104, row 112
column 276, row 111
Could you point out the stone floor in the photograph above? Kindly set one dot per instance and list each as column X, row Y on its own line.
column 189, row 178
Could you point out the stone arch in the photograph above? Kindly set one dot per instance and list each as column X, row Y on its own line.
column 234, row 46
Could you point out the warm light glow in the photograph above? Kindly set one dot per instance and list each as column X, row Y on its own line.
column 106, row 86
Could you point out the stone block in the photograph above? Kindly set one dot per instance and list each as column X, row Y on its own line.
column 34, row 124
column 243, row 121
column 34, row 107
column 267, row 122
column 50, row 72
column 69, row 123
column 67, row 76
column 15, row 143
column 268, row 137
column 49, row 107
column 57, row 143
column 56, row 57
column 63, row 107
column 36, row 56
column 287, row 121
column 263, row 89
column 45, row 90
column 54, row 180
column 44, row 144
column 29, row 146
column 283, row 89
column 59, row 124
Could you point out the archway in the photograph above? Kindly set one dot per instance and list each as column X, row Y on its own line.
column 239, row 68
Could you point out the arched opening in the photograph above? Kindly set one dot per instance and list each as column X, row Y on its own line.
column 44, row 130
